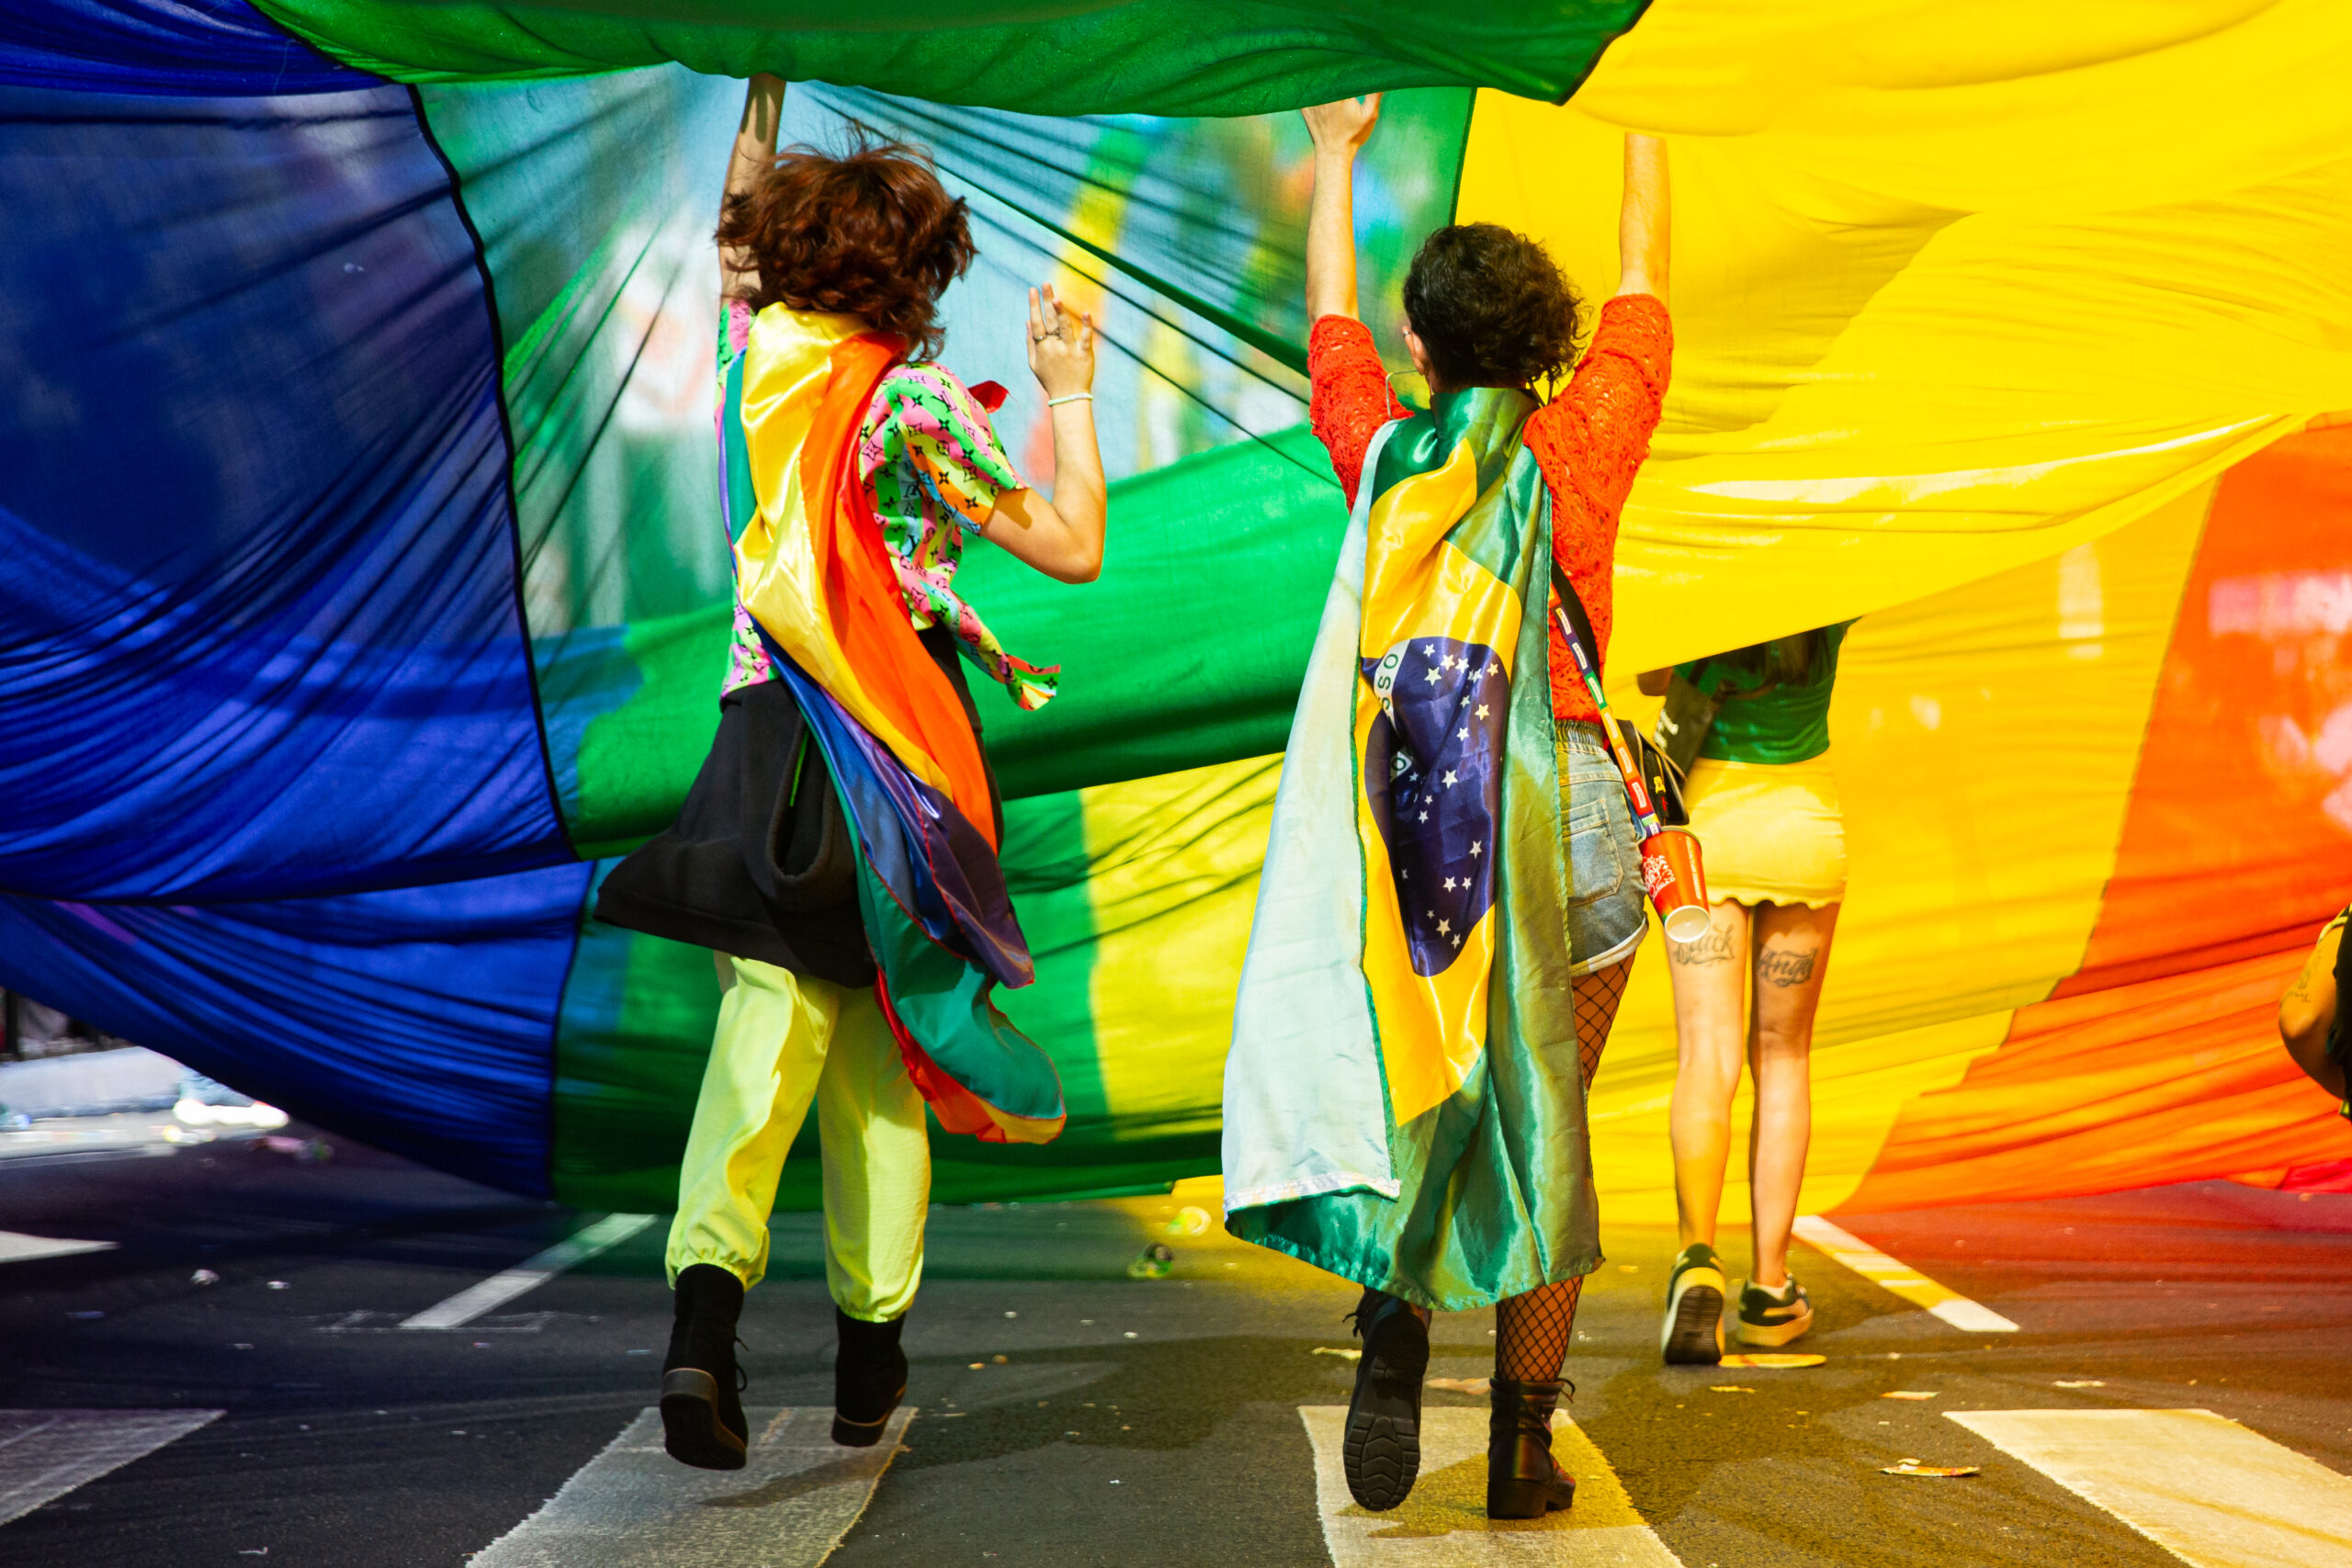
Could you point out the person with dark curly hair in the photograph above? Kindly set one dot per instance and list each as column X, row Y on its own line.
column 836, row 425
column 1488, row 309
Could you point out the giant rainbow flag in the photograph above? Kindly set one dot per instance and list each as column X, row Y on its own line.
column 360, row 600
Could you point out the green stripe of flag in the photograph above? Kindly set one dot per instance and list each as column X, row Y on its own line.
column 1180, row 57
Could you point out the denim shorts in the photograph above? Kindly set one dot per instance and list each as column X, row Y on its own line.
column 1606, row 917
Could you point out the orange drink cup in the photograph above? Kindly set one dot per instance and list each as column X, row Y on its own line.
column 1675, row 879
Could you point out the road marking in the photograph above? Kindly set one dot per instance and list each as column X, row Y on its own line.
column 633, row 1504
column 1899, row 1278
column 2200, row 1485
column 18, row 1248
column 366, row 1322
column 44, row 1454
column 532, row 1272
column 1444, row 1524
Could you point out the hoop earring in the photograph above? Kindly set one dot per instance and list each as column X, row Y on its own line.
column 1429, row 393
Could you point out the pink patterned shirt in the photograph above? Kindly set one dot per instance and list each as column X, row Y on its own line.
column 933, row 467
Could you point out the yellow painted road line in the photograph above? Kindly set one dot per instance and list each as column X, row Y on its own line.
column 1443, row 1524
column 530, row 1274
column 2204, row 1488
column 18, row 1248
column 633, row 1505
column 1900, row 1278
column 44, row 1454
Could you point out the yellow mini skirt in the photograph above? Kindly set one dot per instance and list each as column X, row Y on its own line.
column 1770, row 833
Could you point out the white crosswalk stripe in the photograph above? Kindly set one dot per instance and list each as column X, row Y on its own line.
column 2204, row 1488
column 44, row 1454
column 1443, row 1524
column 634, row 1504
column 17, row 1247
column 1899, row 1278
column 532, row 1272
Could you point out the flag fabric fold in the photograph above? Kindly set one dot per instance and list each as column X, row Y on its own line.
column 1177, row 57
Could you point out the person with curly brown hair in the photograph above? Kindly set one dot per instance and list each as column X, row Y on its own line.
column 829, row 262
column 1486, row 308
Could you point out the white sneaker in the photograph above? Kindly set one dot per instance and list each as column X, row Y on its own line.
column 1693, row 1335
column 1774, row 1317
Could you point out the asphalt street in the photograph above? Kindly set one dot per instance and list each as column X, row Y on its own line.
column 1069, row 1413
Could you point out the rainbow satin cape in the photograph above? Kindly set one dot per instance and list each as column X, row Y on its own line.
column 810, row 567
column 1407, row 980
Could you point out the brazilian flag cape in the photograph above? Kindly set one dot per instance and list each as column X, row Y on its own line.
column 1403, row 1105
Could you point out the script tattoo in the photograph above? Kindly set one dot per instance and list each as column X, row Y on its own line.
column 1713, row 947
column 1784, row 968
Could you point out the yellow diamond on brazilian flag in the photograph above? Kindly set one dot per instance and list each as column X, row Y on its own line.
column 1438, row 637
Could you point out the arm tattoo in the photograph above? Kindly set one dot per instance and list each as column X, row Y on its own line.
column 1783, row 968
column 1713, row 947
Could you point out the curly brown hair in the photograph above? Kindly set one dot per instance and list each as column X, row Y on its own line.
column 1491, row 308
column 868, row 233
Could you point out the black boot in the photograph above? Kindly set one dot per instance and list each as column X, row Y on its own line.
column 869, row 1377
column 1523, row 1481
column 1380, row 1451
column 701, row 1390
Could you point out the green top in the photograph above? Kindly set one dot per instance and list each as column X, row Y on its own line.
column 1787, row 718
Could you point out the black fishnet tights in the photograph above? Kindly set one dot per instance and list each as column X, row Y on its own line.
column 1533, row 1331
column 1597, row 998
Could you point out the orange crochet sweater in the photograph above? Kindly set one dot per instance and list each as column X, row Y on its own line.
column 1589, row 441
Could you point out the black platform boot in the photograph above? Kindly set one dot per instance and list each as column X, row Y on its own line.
column 702, row 1390
column 869, row 1377
column 1523, row 1481
column 1381, row 1449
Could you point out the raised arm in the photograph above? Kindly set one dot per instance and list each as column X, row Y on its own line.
column 2307, row 1013
column 1061, row 537
column 1339, row 131
column 755, row 154
column 1348, row 396
column 1643, row 223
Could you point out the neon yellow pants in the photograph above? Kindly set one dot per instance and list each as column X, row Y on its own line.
column 783, row 1040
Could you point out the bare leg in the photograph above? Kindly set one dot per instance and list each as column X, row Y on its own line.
column 1792, row 956
column 2307, row 1012
column 1709, row 979
column 1532, row 1330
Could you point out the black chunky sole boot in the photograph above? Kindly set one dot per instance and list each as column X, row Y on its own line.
column 1380, row 1449
column 1523, row 1481
column 869, row 1377
column 702, row 1389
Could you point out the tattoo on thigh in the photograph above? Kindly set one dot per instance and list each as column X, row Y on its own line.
column 1784, row 968
column 1713, row 947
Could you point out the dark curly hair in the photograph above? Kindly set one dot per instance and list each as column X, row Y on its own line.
column 1491, row 309
column 868, row 233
